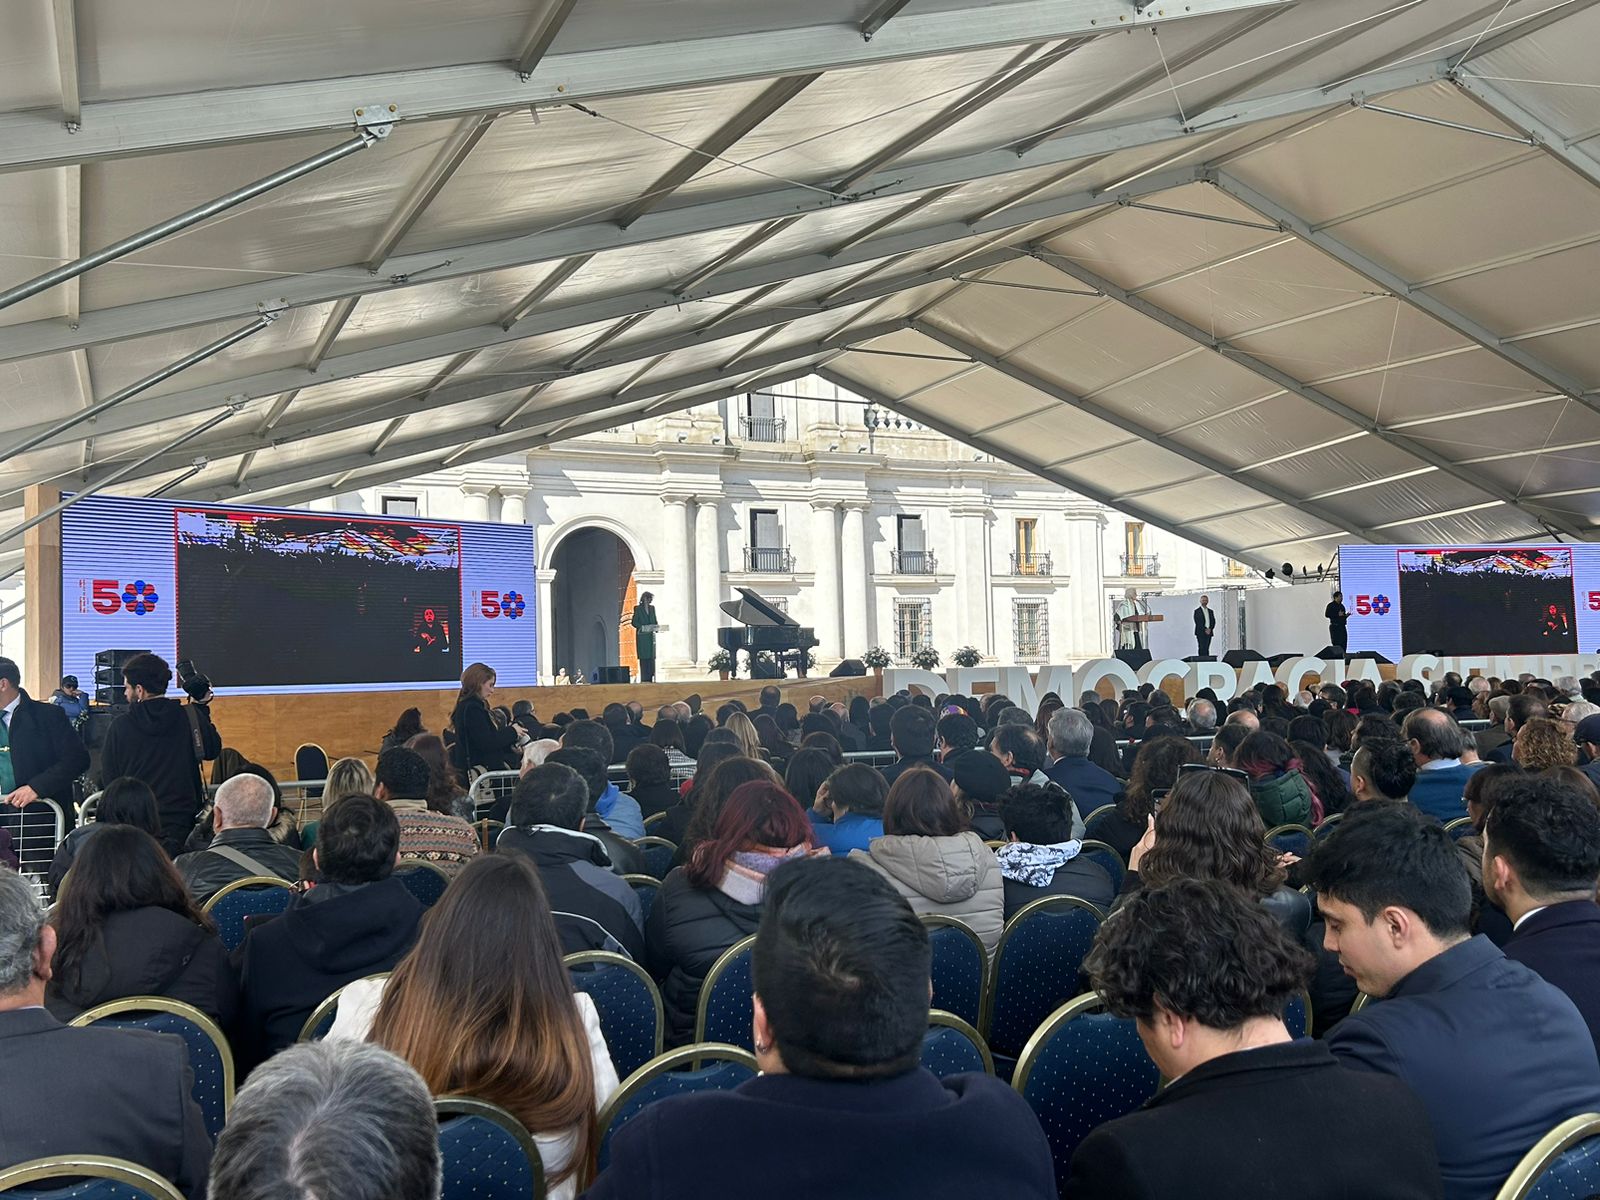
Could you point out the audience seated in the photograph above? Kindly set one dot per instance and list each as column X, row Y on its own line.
column 595, row 908
column 1155, row 769
column 125, row 801
column 241, row 847
column 126, row 927
column 1541, row 864
column 1382, row 771
column 357, row 921
column 330, row 1119
column 842, row 979
column 517, row 1034
column 445, row 793
column 980, row 782
column 1437, row 744
column 955, row 733
column 911, row 731
column 1226, row 742
column 347, row 777
column 806, row 771
column 1520, row 709
column 933, row 860
column 1277, row 783
column 426, row 834
column 1587, row 736
column 625, row 735
column 1041, row 857
column 620, row 812
column 408, row 726
column 591, row 766
column 848, row 812
column 715, row 899
column 711, row 793
column 1541, row 744
column 1071, row 737
column 1497, row 1055
column 120, row 1093
column 1248, row 1113
column 650, row 778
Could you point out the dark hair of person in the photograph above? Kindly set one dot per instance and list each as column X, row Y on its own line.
column 860, row 712
column 1308, row 729
column 357, row 841
column 1155, row 766
column 920, row 802
column 1209, row 828
column 407, row 727
column 825, row 742
column 550, row 794
column 958, row 731
column 859, row 788
column 1037, row 814
column 1524, row 708
column 1374, row 727
column 1048, row 707
column 1323, row 776
column 444, row 785
column 710, row 795
column 1022, row 742
column 649, row 766
column 1383, row 855
column 1263, row 754
column 1574, row 778
column 149, row 672
column 1276, row 727
column 771, row 736
column 668, row 735
column 694, row 734
column 129, row 801
column 841, row 965
column 911, row 731
column 1388, row 766
column 880, row 719
column 586, row 763
column 1549, row 830
column 403, row 773
column 726, row 710
column 788, row 718
column 712, row 754
column 589, row 735
column 1341, row 727
column 1230, row 738
column 118, row 869
column 806, row 772
column 1485, row 786
column 1202, row 950
column 756, row 814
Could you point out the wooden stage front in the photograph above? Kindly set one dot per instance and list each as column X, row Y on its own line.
column 266, row 729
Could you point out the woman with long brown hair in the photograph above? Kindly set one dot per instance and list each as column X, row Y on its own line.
column 445, row 793
column 483, row 1007
column 1155, row 768
column 480, row 740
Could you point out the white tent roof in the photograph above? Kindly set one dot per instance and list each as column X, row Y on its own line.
column 1273, row 274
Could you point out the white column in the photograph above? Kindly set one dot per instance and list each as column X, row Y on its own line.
column 855, row 572
column 974, row 578
column 546, row 607
column 1087, row 630
column 477, row 504
column 674, row 647
column 513, row 506
column 707, row 577
column 825, row 547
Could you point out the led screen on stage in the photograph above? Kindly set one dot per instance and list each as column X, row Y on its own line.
column 1472, row 600
column 283, row 600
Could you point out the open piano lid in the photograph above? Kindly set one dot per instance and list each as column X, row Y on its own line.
column 753, row 610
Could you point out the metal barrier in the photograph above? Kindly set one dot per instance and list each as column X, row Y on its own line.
column 489, row 788
column 36, row 830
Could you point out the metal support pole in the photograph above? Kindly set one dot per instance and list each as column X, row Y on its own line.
column 133, row 389
column 1443, row 124
column 368, row 136
column 195, row 468
column 121, row 474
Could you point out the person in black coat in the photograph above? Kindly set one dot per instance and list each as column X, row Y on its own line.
column 1037, row 859
column 650, row 780
column 242, row 846
column 841, row 969
column 45, row 753
column 1248, row 1113
column 123, row 1093
column 1205, row 627
column 155, row 741
column 358, row 920
column 124, row 801
column 480, row 740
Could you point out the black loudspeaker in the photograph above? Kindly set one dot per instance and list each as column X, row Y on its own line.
column 1238, row 658
column 108, row 682
column 850, row 666
column 1373, row 655
column 615, row 675
column 1200, row 658
column 1134, row 658
column 1277, row 660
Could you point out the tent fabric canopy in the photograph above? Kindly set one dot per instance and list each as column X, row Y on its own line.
column 1273, row 274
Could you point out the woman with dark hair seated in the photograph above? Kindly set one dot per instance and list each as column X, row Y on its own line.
column 807, row 771
column 1155, row 769
column 650, row 779
column 406, row 728
column 445, row 793
column 714, row 900
column 1330, row 785
column 1208, row 827
column 1279, row 785
column 667, row 735
column 125, row 926
column 847, row 813
column 125, row 801
column 777, row 750
column 841, row 970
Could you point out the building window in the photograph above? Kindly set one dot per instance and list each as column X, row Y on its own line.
column 1030, row 620
column 1134, row 560
column 911, row 555
column 766, row 551
column 401, row 506
column 1027, row 558
column 913, row 627
column 760, row 421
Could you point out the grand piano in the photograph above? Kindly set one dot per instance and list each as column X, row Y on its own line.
column 764, row 627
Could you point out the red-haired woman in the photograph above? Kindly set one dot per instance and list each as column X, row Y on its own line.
column 1282, row 793
column 715, row 899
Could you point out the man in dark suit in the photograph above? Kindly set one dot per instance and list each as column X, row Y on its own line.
column 1249, row 1114
column 644, row 621
column 1541, row 861
column 1338, row 618
column 1071, row 738
column 1499, row 1056
column 1205, row 625
column 122, row 1093
column 42, row 753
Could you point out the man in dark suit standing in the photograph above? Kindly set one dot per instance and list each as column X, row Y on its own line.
column 644, row 621
column 1541, row 860
column 121, row 1093
column 1205, row 625
column 40, row 753
column 1249, row 1114
column 1499, row 1056
column 1338, row 624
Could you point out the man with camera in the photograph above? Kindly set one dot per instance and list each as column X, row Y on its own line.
column 163, row 742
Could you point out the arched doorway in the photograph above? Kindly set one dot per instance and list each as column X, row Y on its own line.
column 592, row 600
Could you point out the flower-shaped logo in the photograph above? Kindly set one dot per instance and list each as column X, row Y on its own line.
column 1381, row 604
column 139, row 597
column 513, row 605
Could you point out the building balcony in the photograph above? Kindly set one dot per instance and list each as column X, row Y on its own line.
column 913, row 562
column 1141, row 564
column 1031, row 564
column 768, row 560
column 762, row 429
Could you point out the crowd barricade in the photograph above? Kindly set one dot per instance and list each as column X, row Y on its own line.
column 490, row 788
column 36, row 830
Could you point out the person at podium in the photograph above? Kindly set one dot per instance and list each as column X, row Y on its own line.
column 1130, row 633
column 644, row 621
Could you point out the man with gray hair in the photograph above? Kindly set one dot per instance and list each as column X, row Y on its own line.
column 1437, row 744
column 1202, row 716
column 330, row 1120
column 1090, row 786
column 119, row 1093
column 241, row 846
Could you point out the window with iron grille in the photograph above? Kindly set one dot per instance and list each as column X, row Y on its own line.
column 760, row 421
column 913, row 627
column 1030, row 621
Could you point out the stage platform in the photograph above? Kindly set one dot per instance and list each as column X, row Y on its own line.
column 267, row 729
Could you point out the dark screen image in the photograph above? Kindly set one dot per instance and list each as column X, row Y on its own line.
column 267, row 600
column 1488, row 600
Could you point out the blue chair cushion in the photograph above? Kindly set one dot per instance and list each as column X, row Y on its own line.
column 627, row 1013
column 427, row 886
column 947, row 1051
column 1573, row 1176
column 657, row 860
column 482, row 1161
column 713, row 1077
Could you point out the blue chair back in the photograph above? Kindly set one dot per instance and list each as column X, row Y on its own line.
column 423, row 880
column 953, row 1047
column 1098, row 819
column 229, row 907
column 960, row 968
column 486, row 1154
column 725, row 1013
column 210, row 1058
column 658, row 854
column 97, row 1178
column 714, row 1068
column 1562, row 1165
column 645, row 887
column 1036, row 967
column 1290, row 839
column 310, row 763
column 1107, row 857
column 1329, row 824
column 1081, row 1069
column 625, row 996
column 1459, row 828
column 1297, row 1015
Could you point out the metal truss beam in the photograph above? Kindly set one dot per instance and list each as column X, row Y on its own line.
column 543, row 35
column 1560, row 10
column 147, row 317
column 120, row 128
column 1115, row 419
column 65, row 13
column 1411, row 446
column 1544, row 135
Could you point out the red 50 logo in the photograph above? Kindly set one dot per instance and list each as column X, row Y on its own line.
column 109, row 597
column 1367, row 606
column 509, row 605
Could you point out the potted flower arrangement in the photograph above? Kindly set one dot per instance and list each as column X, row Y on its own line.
column 966, row 656
column 877, row 658
column 721, row 662
column 925, row 658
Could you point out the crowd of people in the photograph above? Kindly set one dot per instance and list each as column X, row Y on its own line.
column 1453, row 973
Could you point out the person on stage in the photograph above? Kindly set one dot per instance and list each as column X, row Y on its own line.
column 1338, row 624
column 644, row 620
column 1205, row 625
column 1130, row 634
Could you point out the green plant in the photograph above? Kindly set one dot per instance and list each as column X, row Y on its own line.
column 720, row 661
column 966, row 656
column 925, row 658
column 877, row 658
